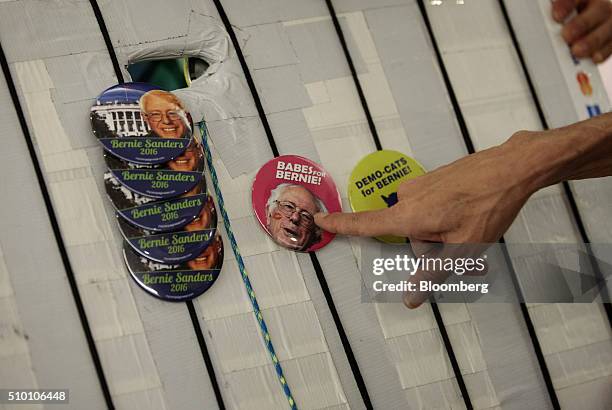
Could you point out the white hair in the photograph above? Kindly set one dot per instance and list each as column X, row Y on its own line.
column 169, row 97
column 315, row 235
column 159, row 94
column 276, row 193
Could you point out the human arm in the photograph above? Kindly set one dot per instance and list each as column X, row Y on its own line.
column 476, row 198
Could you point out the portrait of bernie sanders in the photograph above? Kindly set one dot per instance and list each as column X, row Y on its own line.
column 290, row 214
column 165, row 114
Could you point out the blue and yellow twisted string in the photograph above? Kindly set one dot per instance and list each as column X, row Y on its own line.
column 245, row 277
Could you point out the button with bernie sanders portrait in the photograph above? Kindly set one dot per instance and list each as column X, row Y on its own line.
column 175, row 246
column 161, row 181
column 141, row 123
column 176, row 282
column 287, row 192
column 192, row 208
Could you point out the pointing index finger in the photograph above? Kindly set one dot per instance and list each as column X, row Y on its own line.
column 367, row 223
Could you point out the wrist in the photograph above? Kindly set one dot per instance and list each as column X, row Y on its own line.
column 526, row 150
column 581, row 150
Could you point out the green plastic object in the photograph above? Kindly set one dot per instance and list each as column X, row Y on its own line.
column 169, row 74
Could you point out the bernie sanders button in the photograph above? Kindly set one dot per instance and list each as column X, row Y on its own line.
column 162, row 181
column 287, row 192
column 171, row 247
column 176, row 282
column 141, row 123
column 158, row 216
column 374, row 181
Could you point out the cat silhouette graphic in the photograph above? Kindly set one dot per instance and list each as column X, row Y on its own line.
column 390, row 200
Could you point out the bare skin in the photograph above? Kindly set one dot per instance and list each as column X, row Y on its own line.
column 589, row 31
column 475, row 199
column 208, row 259
column 164, row 105
column 292, row 231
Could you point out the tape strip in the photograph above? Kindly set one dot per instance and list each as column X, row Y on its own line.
column 588, row 94
column 471, row 149
column 245, row 277
column 374, row 133
column 53, row 220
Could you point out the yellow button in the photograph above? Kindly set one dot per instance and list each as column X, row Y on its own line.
column 375, row 179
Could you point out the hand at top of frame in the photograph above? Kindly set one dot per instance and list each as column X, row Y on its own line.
column 589, row 31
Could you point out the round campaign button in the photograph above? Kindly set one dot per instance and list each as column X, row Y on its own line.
column 157, row 183
column 161, row 181
column 176, row 282
column 170, row 247
column 141, row 123
column 374, row 181
column 159, row 216
column 287, row 192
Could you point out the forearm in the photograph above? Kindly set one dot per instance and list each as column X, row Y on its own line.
column 578, row 151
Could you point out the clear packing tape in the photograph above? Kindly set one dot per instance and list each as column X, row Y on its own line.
column 220, row 94
column 399, row 352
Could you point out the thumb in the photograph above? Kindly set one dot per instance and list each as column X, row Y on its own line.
column 367, row 223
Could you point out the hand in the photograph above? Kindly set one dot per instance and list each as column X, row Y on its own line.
column 471, row 201
column 474, row 200
column 589, row 32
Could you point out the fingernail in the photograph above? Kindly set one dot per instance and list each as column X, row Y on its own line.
column 579, row 49
column 411, row 305
column 597, row 58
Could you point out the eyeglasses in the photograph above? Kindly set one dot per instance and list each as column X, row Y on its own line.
column 288, row 208
column 156, row 116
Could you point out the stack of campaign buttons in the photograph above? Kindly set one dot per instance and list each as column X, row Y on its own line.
column 155, row 181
